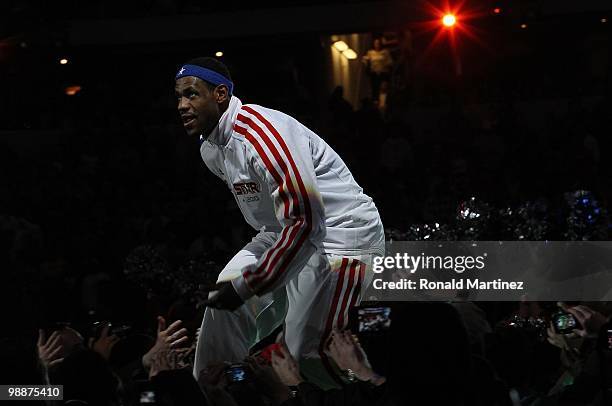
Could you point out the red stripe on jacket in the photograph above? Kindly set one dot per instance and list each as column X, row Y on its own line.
column 254, row 277
column 307, row 207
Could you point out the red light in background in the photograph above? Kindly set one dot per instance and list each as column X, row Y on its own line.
column 452, row 22
column 72, row 90
column 455, row 15
column 449, row 20
column 497, row 10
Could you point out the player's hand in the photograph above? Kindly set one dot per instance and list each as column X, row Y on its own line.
column 590, row 320
column 225, row 297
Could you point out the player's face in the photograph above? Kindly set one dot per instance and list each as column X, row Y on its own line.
column 198, row 106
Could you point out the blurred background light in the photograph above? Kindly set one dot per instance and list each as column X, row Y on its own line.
column 72, row 90
column 449, row 20
column 341, row 46
column 349, row 54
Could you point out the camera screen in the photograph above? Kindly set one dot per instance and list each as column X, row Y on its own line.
column 236, row 373
column 565, row 322
column 147, row 397
column 374, row 319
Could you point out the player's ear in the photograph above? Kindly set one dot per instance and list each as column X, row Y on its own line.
column 222, row 94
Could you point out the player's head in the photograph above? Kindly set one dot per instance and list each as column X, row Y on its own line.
column 203, row 88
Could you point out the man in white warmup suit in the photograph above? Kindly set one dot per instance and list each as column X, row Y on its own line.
column 317, row 230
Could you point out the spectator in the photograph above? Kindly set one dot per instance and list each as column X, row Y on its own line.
column 171, row 379
column 587, row 365
column 378, row 63
column 348, row 355
column 402, row 71
column 382, row 99
column 422, row 364
column 87, row 378
column 340, row 109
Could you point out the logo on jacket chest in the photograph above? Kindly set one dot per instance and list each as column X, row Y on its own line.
column 248, row 190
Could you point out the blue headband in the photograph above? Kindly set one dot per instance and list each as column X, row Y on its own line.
column 205, row 74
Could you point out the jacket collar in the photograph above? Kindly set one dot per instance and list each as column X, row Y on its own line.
column 222, row 133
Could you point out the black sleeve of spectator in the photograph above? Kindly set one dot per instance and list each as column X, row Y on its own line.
column 177, row 388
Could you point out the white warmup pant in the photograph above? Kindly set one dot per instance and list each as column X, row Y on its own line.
column 317, row 300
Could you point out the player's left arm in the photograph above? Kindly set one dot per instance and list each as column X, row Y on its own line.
column 281, row 154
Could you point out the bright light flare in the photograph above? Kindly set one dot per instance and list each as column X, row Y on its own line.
column 218, row 54
column 349, row 54
column 449, row 20
column 63, row 61
column 341, row 46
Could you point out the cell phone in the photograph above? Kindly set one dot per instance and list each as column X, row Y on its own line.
column 564, row 322
column 236, row 373
column 147, row 397
column 374, row 319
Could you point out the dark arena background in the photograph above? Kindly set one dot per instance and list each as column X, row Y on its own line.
column 494, row 124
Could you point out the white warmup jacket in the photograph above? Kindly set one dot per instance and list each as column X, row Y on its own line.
column 287, row 180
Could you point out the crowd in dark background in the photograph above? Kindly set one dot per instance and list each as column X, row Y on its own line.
column 118, row 220
column 138, row 8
